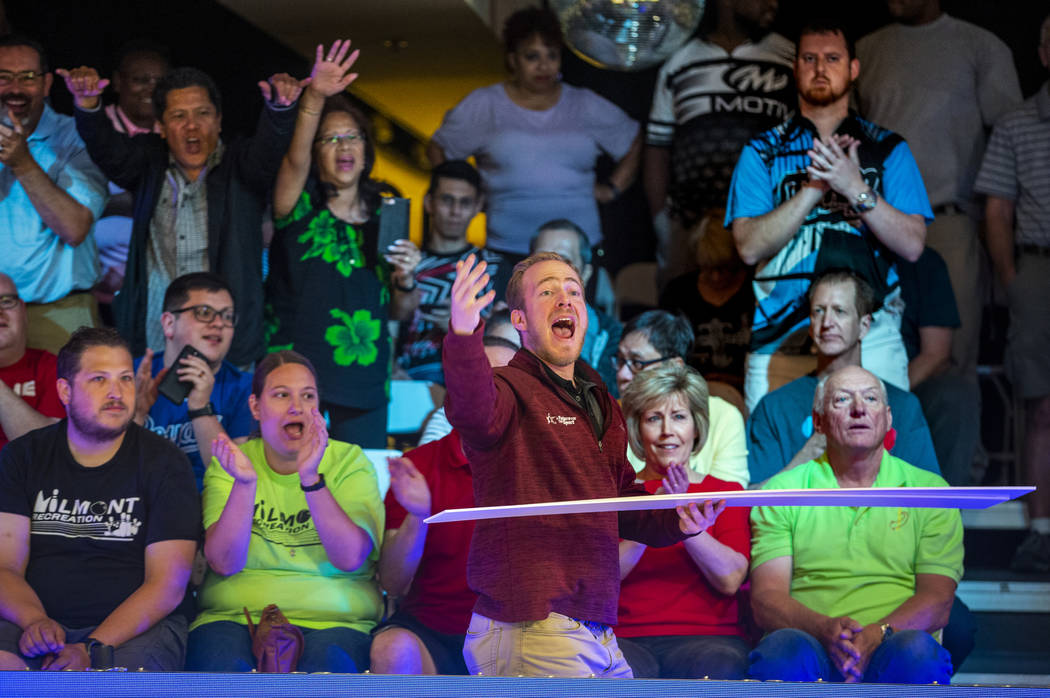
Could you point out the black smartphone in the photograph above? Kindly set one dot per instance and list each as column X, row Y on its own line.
column 393, row 223
column 171, row 387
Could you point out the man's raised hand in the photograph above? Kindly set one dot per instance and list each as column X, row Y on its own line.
column 85, row 86
column 281, row 90
column 466, row 305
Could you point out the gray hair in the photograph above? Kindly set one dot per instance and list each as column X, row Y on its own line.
column 818, row 394
column 655, row 386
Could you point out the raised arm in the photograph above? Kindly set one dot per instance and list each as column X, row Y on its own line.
column 346, row 544
column 226, row 541
column 760, row 237
column 329, row 77
column 403, row 547
column 903, row 233
column 724, row 568
column 67, row 217
column 121, row 159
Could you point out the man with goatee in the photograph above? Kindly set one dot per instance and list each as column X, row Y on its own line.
column 100, row 520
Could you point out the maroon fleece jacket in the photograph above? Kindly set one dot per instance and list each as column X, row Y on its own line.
column 529, row 442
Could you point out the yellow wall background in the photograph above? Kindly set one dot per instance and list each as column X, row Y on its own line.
column 420, row 104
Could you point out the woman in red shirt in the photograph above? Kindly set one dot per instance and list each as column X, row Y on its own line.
column 678, row 615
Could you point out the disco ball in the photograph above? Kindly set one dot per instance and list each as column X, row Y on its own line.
column 627, row 34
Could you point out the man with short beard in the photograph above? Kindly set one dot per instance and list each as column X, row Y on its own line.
column 51, row 193
column 100, row 519
column 826, row 189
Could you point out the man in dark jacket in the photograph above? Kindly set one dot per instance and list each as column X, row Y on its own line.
column 544, row 428
column 199, row 202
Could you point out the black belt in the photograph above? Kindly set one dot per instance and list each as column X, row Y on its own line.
column 942, row 209
column 1037, row 250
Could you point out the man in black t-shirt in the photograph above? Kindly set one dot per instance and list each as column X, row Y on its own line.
column 100, row 519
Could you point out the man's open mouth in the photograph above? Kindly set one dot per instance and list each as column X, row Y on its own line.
column 564, row 327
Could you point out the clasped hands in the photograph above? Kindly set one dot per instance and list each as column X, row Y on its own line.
column 850, row 645
column 48, row 638
column 835, row 165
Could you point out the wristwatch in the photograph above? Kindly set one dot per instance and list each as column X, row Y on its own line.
column 205, row 411
column 887, row 631
column 865, row 201
column 314, row 487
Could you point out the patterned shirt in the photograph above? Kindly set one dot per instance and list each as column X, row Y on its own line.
column 178, row 237
column 328, row 298
column 708, row 104
column 771, row 170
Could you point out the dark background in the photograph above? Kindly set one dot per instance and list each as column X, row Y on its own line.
column 237, row 55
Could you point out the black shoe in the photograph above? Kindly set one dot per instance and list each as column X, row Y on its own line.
column 1033, row 555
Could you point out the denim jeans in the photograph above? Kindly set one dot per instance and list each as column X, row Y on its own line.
column 907, row 656
column 226, row 646
column 686, row 656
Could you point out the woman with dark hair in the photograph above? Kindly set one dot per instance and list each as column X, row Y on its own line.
column 290, row 519
column 331, row 291
column 536, row 140
column 678, row 614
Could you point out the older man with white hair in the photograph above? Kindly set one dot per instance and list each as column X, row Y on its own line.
column 846, row 593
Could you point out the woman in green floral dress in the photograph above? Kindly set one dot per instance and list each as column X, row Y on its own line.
column 330, row 292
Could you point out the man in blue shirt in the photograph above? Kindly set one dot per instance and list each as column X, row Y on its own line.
column 198, row 311
column 50, row 195
column 780, row 430
column 825, row 189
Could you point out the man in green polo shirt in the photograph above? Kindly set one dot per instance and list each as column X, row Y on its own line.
column 853, row 593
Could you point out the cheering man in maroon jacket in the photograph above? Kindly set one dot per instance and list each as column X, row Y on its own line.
column 544, row 428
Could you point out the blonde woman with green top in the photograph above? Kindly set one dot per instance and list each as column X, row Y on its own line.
column 292, row 519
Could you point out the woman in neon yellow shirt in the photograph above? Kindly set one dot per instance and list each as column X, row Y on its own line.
column 291, row 519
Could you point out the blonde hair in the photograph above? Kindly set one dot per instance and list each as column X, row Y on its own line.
column 515, row 296
column 656, row 385
column 712, row 243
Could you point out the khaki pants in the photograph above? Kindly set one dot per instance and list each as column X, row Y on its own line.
column 954, row 236
column 555, row 646
column 51, row 324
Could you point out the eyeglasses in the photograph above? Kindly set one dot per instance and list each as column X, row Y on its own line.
column 636, row 365
column 348, row 138
column 26, row 77
column 9, row 301
column 207, row 314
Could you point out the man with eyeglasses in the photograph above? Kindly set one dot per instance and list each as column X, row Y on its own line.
column 52, row 195
column 199, row 200
column 28, row 394
column 655, row 337
column 199, row 312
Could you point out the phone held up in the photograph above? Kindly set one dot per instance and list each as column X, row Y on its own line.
column 171, row 387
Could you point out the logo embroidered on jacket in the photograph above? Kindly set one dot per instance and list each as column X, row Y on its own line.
column 557, row 419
